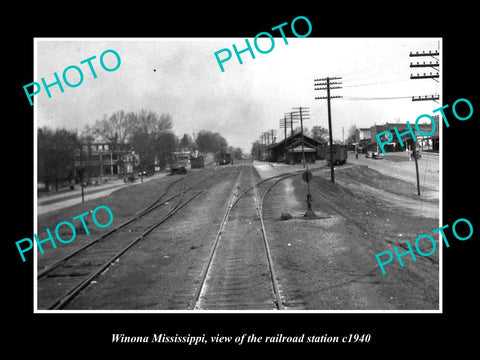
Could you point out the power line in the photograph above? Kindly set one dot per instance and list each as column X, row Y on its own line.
column 377, row 83
column 384, row 66
column 377, row 73
column 375, row 98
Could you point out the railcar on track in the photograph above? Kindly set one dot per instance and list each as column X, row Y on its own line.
column 223, row 158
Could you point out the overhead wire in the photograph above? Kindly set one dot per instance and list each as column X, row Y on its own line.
column 374, row 98
column 376, row 83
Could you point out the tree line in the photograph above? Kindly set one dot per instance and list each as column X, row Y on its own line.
column 149, row 134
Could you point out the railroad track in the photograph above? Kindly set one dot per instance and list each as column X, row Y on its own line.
column 63, row 280
column 239, row 273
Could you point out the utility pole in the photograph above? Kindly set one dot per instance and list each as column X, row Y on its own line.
column 273, row 134
column 262, row 147
column 426, row 97
column 328, row 85
column 303, row 114
column 265, row 136
column 270, row 136
column 434, row 76
column 81, row 171
column 292, row 120
column 416, row 167
column 283, row 125
column 291, row 123
column 435, row 66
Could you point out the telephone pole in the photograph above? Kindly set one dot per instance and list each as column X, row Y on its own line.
column 263, row 139
column 273, row 135
column 266, row 135
column 433, row 65
column 303, row 114
column 426, row 97
column 414, row 148
column 327, row 83
column 292, row 120
column 434, row 76
column 283, row 125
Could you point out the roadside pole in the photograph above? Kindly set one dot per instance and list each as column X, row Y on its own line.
column 307, row 177
column 416, row 166
column 328, row 86
column 81, row 172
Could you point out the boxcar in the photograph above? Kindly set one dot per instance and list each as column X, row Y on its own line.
column 339, row 154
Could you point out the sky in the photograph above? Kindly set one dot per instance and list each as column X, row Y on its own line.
column 180, row 76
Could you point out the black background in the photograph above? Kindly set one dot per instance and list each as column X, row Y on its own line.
column 61, row 335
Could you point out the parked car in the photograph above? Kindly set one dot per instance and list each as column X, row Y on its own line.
column 129, row 177
column 369, row 154
column 145, row 173
column 178, row 170
column 377, row 155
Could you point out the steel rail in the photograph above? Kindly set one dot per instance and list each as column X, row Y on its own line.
column 154, row 205
column 259, row 206
column 234, row 198
column 144, row 212
column 283, row 176
column 265, row 180
column 70, row 294
column 195, row 305
column 273, row 276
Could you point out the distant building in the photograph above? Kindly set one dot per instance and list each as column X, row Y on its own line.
column 425, row 143
column 366, row 140
column 363, row 138
column 182, row 156
column 105, row 159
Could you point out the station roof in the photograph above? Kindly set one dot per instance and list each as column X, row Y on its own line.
column 296, row 140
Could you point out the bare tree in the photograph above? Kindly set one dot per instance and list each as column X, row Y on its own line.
column 117, row 128
column 144, row 131
column 319, row 133
column 149, row 136
column 351, row 134
column 149, row 122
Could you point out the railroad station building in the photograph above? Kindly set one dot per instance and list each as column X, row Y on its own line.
column 289, row 150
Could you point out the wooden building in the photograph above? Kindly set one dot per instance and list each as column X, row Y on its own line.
column 289, row 150
column 104, row 159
